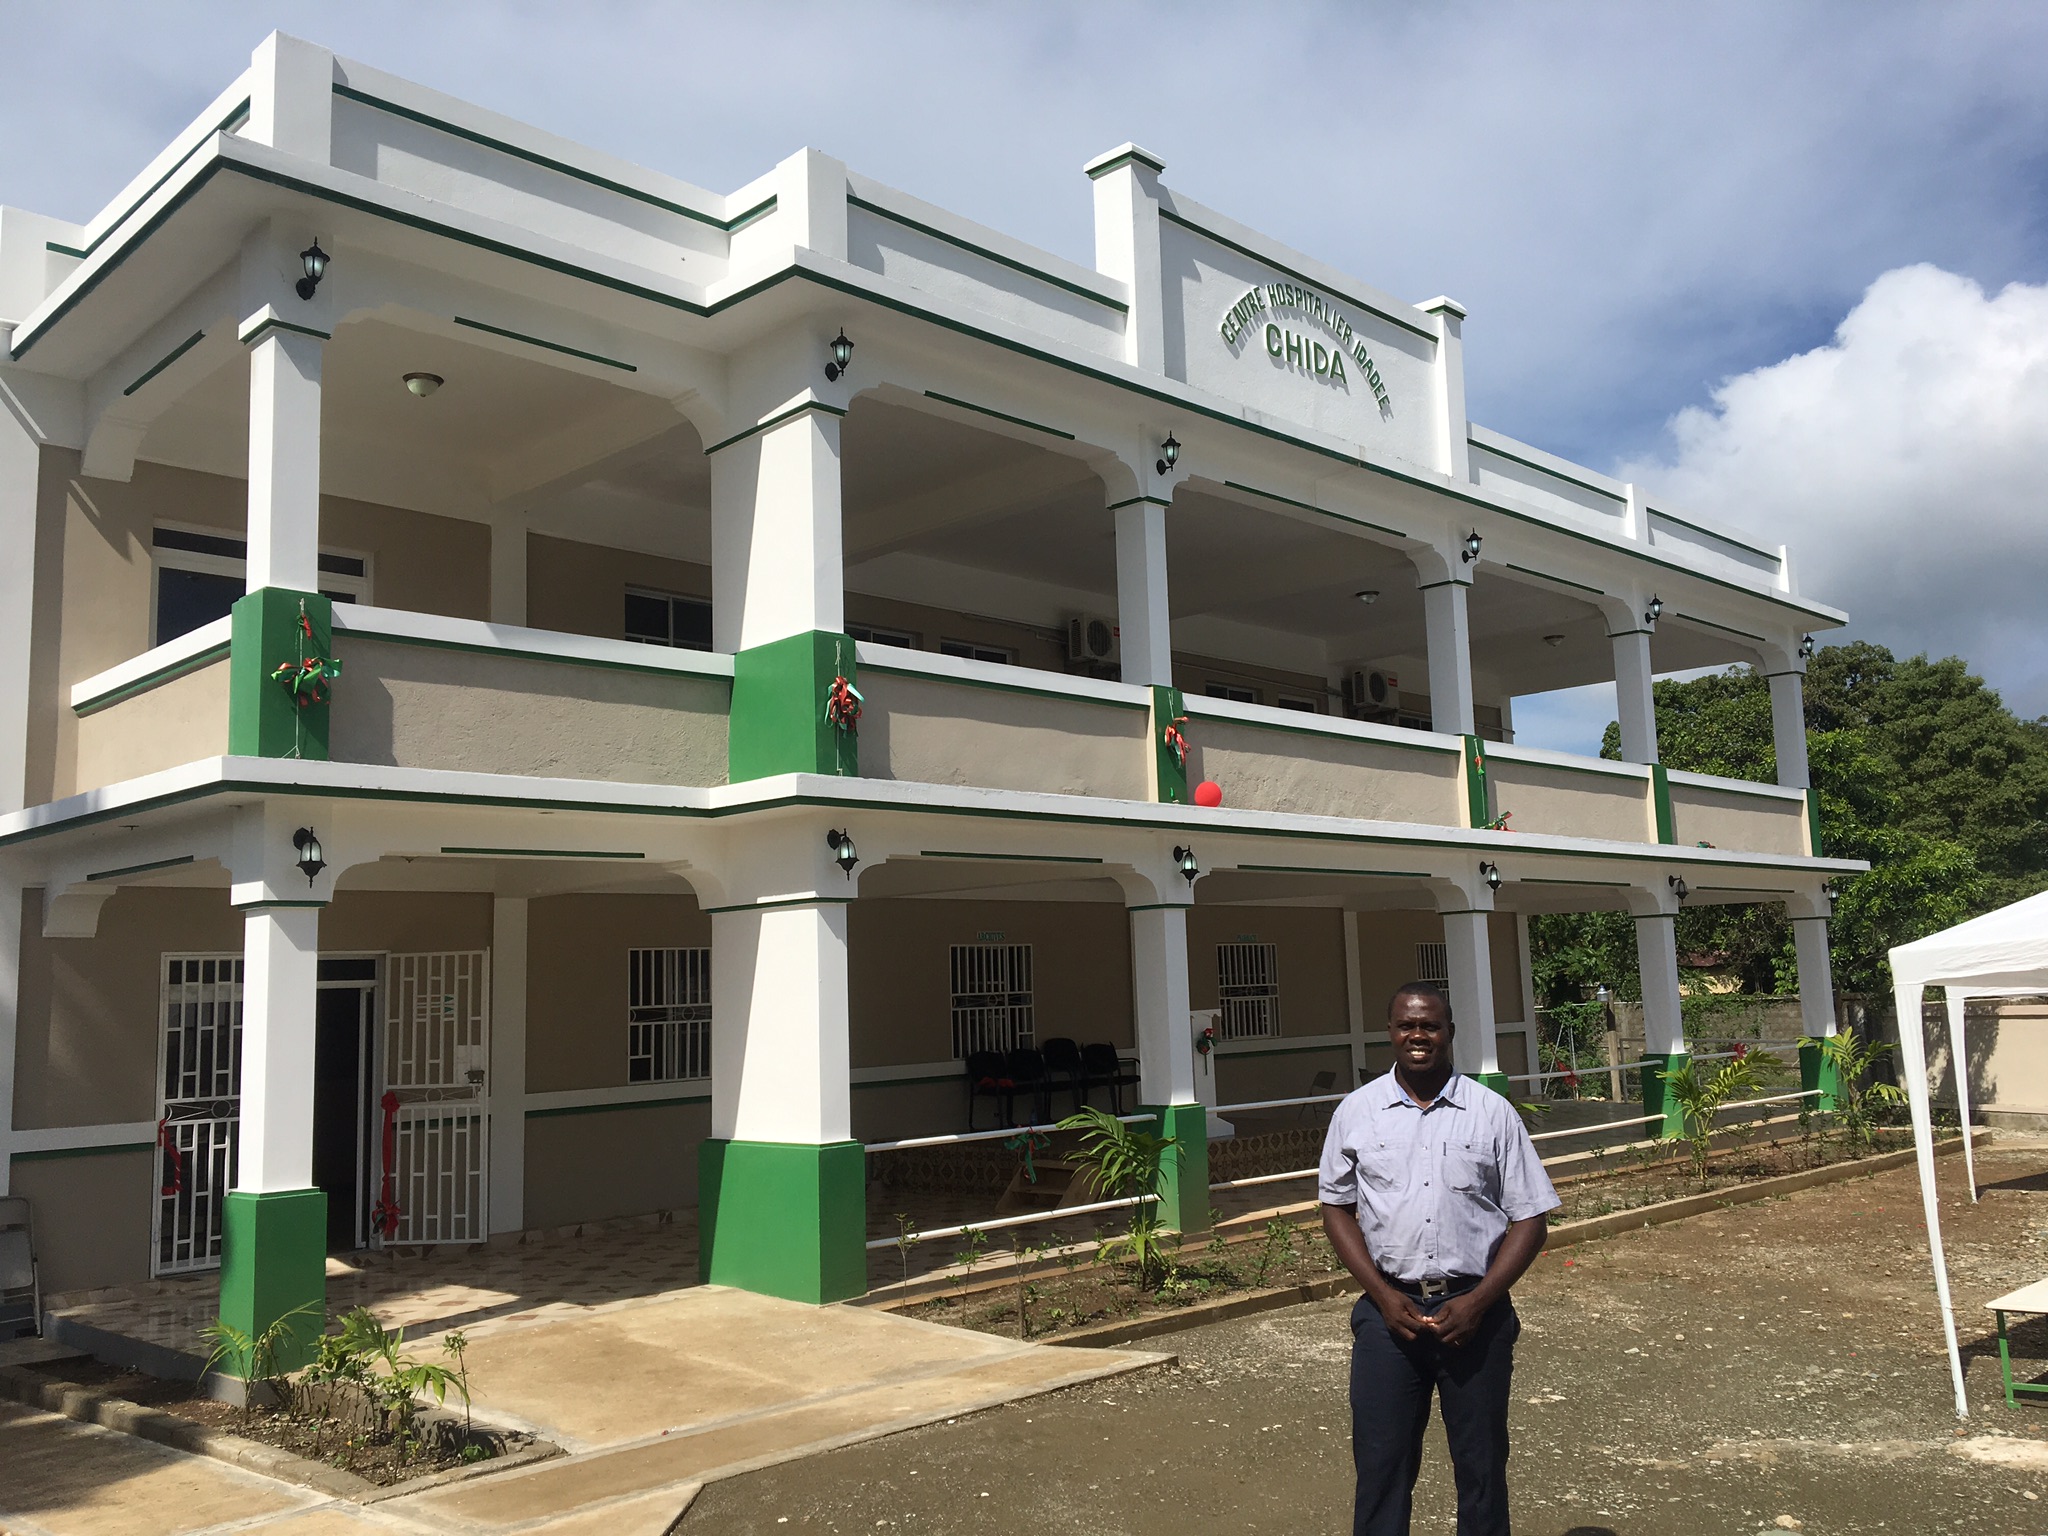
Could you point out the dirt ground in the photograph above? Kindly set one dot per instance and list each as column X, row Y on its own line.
column 1741, row 1372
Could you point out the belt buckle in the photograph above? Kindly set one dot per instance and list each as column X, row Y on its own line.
column 1431, row 1289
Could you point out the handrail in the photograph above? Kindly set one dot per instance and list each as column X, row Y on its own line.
column 958, row 1137
column 1317, row 1098
column 1587, row 1130
column 1011, row 1221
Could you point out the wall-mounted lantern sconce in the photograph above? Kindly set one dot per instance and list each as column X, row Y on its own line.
column 314, row 260
column 842, row 357
column 1827, row 890
column 1678, row 887
column 423, row 384
column 1806, row 649
column 1169, row 454
column 1655, row 611
column 1369, row 596
column 843, row 852
column 1490, row 873
column 311, row 859
column 1471, row 551
column 1603, row 995
column 1184, row 861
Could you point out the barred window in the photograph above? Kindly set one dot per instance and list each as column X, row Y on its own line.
column 1248, row 987
column 668, row 1015
column 1433, row 963
column 991, row 998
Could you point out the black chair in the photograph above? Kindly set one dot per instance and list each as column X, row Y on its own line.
column 1027, row 1071
column 1063, row 1064
column 1102, row 1067
column 988, row 1078
column 21, row 1285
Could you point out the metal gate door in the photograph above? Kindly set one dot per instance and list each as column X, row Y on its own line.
column 199, row 1108
column 434, row 1112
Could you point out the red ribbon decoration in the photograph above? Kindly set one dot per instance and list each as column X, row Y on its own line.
column 1178, row 742
column 169, row 1144
column 842, row 704
column 384, row 1214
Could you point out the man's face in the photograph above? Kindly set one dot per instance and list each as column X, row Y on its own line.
column 1421, row 1029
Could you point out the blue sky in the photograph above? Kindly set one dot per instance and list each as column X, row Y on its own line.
column 1648, row 209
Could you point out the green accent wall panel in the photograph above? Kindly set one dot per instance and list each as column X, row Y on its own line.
column 265, row 718
column 1816, row 1071
column 778, row 708
column 1660, row 792
column 1478, row 798
column 1169, row 708
column 1184, row 1173
column 783, row 1218
column 1813, row 825
column 1655, row 1102
column 273, row 1264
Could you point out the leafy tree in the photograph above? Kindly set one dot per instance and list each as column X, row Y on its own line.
column 1917, row 767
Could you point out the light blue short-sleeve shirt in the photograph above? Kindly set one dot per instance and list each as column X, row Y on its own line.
column 1436, row 1189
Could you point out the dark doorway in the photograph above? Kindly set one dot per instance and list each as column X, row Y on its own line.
column 341, row 1099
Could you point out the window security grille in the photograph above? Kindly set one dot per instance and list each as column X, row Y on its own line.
column 1248, row 987
column 668, row 1015
column 991, row 997
column 1433, row 963
column 200, row 1103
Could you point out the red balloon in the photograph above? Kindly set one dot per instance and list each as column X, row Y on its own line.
column 1209, row 793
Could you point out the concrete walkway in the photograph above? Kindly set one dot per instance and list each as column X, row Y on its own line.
column 652, row 1397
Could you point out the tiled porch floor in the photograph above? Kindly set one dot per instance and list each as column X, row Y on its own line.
column 540, row 1276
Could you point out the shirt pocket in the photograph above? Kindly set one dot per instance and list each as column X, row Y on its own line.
column 1383, row 1164
column 1472, row 1169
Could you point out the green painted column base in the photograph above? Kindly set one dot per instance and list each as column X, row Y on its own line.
column 265, row 717
column 1184, row 1171
column 1655, row 1101
column 273, row 1267
column 1816, row 1071
column 785, row 1219
column 1497, row 1081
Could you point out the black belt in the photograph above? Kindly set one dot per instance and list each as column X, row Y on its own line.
column 1432, row 1290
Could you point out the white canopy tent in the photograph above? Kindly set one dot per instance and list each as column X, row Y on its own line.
column 2000, row 954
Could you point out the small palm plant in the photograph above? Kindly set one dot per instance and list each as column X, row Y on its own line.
column 1701, row 1095
column 1857, row 1095
column 1123, row 1163
column 403, row 1377
column 255, row 1358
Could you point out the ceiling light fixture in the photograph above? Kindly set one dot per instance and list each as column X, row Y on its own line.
column 423, row 384
column 1369, row 596
column 1553, row 640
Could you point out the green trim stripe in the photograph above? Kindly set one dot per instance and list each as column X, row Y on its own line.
column 1769, row 554
column 1010, row 858
column 1015, row 421
column 775, row 421
column 1545, row 469
column 876, row 668
column 546, row 853
column 265, row 906
column 52, row 1154
column 1693, row 618
column 1315, row 869
column 240, row 112
column 1128, row 157
column 552, row 346
column 1289, row 501
column 1561, row 581
column 605, row 1109
column 785, row 901
column 148, row 681
column 1137, row 501
column 140, row 869
column 1197, row 711
column 1300, row 277
column 272, row 323
column 986, row 254
column 175, row 353
column 547, row 163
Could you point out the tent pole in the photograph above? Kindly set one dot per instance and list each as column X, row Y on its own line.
column 1913, row 1058
column 1959, row 1069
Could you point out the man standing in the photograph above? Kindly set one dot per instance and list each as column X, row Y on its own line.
column 1434, row 1198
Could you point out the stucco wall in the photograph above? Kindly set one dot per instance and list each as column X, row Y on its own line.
column 580, row 588
column 1570, row 803
column 94, row 577
column 955, row 733
column 177, row 722
column 92, row 1214
column 1309, row 942
column 629, row 1161
column 1278, row 770
column 1247, row 1076
column 1754, row 823
column 576, row 982
column 432, row 707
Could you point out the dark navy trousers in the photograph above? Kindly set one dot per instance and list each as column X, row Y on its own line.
column 1391, row 1384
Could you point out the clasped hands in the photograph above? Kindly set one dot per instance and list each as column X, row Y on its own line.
column 1453, row 1323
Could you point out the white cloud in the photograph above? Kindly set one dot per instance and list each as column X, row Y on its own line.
column 1906, row 464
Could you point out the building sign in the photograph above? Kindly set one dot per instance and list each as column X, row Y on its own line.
column 1263, row 311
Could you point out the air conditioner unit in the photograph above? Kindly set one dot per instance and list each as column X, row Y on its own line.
column 1093, row 641
column 1371, row 694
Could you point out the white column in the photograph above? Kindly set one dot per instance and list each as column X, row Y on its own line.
column 776, row 552
column 1470, row 959
column 1816, row 976
column 1788, row 728
column 1354, row 997
column 20, row 477
column 10, row 1015
column 1657, row 961
column 1144, row 629
column 781, row 1056
column 508, row 1064
column 1634, row 701
column 280, row 980
column 1127, row 195
column 1450, row 657
column 1159, row 1002
column 508, row 570
column 1454, row 429
column 284, row 457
